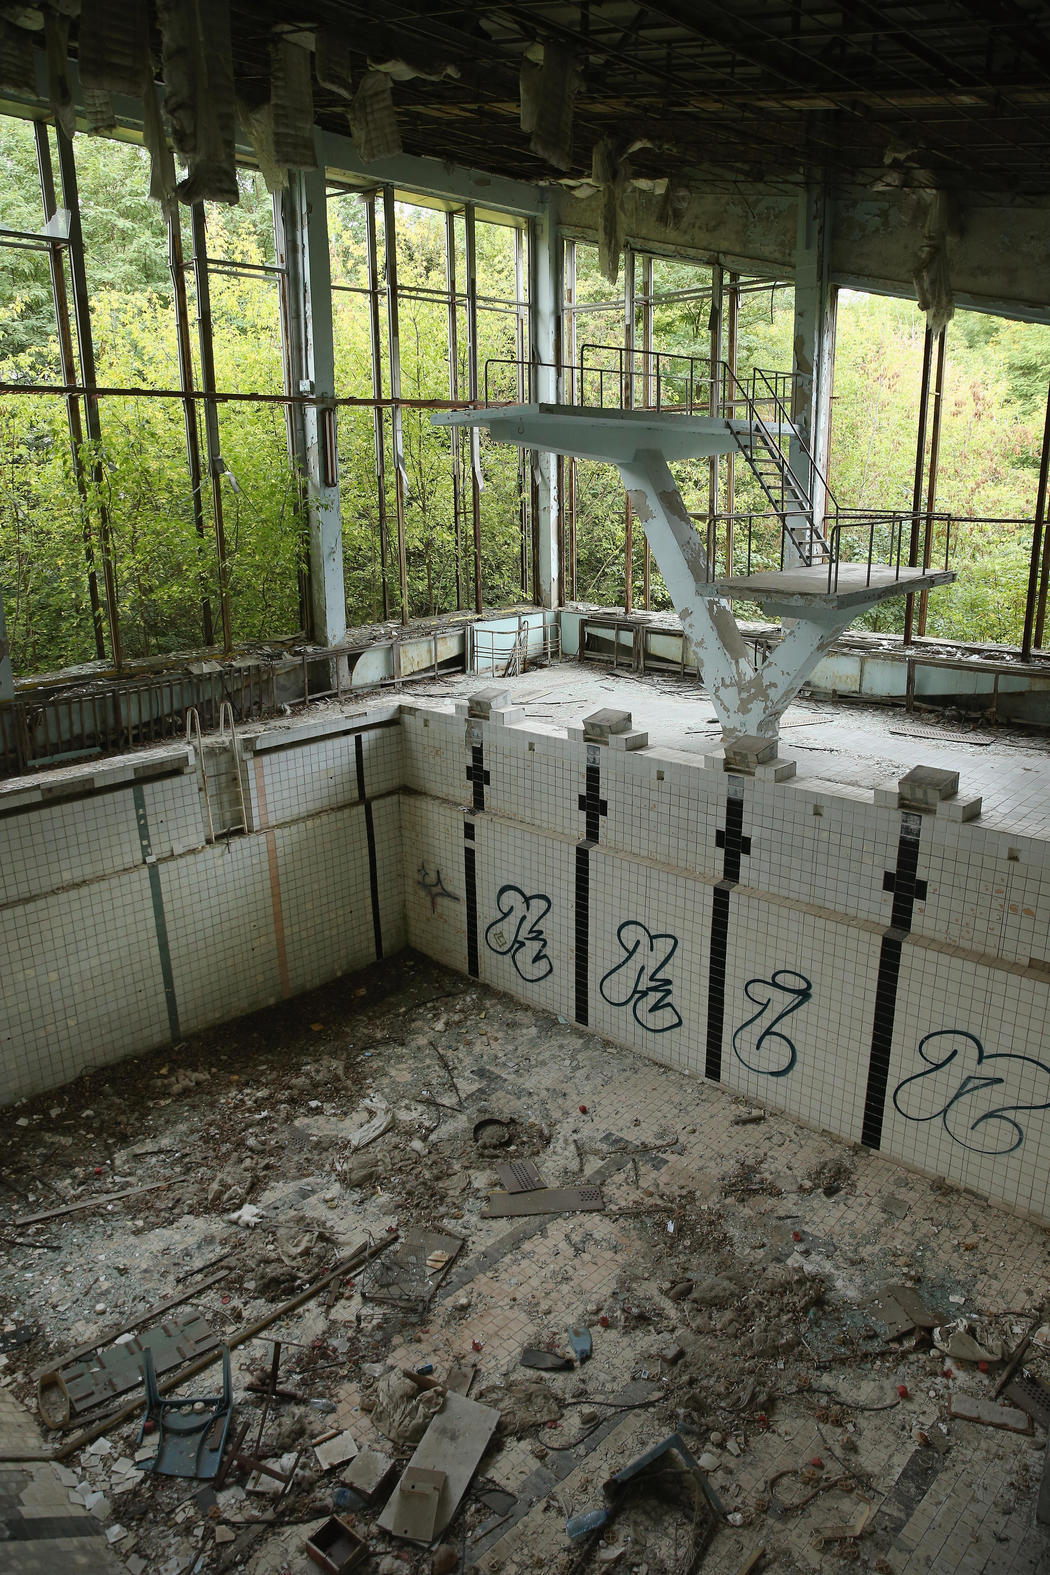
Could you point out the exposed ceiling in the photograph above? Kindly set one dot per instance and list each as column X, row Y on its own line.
column 739, row 90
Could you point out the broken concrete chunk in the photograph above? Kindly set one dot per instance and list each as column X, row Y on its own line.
column 749, row 751
column 601, row 725
column 336, row 1451
column 483, row 702
column 956, row 1340
column 369, row 1473
column 970, row 1408
column 923, row 787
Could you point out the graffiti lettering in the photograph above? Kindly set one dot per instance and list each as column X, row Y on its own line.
column 639, row 980
column 769, row 1051
column 434, row 888
column 973, row 1093
column 518, row 932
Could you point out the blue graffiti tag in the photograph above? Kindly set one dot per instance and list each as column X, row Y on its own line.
column 783, row 985
column 957, row 1084
column 639, row 981
column 518, row 932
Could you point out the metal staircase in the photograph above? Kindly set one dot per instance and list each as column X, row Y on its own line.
column 770, row 462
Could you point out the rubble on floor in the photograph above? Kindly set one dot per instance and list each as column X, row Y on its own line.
column 702, row 1336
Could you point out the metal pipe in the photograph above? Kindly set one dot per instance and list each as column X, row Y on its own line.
column 65, row 361
column 1039, row 544
column 647, row 396
column 82, row 312
column 732, row 355
column 916, row 496
column 524, row 468
column 375, row 342
column 627, row 397
column 211, row 414
column 189, row 409
column 453, row 394
column 394, row 354
column 471, row 264
column 931, row 484
column 294, row 370
column 714, row 359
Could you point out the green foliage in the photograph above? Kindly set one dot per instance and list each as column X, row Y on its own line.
column 135, row 482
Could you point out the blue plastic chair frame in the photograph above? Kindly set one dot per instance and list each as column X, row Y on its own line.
column 190, row 1441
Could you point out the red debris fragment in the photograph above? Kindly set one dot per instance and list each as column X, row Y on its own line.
column 902, row 1390
column 475, row 1345
column 583, row 1110
column 603, row 1321
column 982, row 1367
column 817, row 1463
column 796, row 1235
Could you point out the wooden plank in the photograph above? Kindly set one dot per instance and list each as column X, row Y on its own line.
column 360, row 1255
column 453, row 1444
column 93, row 1202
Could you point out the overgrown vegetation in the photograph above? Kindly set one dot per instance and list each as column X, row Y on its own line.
column 992, row 419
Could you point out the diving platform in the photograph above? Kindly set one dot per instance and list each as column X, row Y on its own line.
column 816, row 593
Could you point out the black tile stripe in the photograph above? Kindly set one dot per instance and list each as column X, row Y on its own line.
column 471, row 884
column 582, row 928
column 478, row 777
column 734, row 845
column 594, row 807
column 907, row 889
column 370, row 831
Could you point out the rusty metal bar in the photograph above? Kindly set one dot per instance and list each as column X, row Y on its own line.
column 647, row 396
column 714, row 353
column 627, row 398
column 66, row 363
column 394, row 357
column 376, row 347
column 292, row 368
column 570, row 361
column 82, row 313
column 524, row 467
column 917, row 488
column 453, row 394
column 732, row 357
column 176, row 264
column 1033, row 616
column 211, row 414
column 931, row 483
column 471, row 264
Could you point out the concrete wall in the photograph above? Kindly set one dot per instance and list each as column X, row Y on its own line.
column 881, row 974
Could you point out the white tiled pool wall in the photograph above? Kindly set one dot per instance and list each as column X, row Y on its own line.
column 123, row 928
column 784, row 977
column 737, row 929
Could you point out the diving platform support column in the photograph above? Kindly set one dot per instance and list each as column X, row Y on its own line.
column 747, row 701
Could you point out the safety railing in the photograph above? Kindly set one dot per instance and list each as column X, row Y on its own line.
column 753, row 542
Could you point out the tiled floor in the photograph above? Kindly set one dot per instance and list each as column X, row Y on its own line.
column 41, row 1531
column 808, row 1227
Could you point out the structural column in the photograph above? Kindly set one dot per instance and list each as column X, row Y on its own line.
column 546, row 337
column 311, row 361
column 7, row 681
column 813, row 344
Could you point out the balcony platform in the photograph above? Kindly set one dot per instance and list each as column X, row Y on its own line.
column 795, row 592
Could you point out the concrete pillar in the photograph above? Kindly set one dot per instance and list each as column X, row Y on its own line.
column 303, row 235
column 546, row 341
column 813, row 343
column 7, row 681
